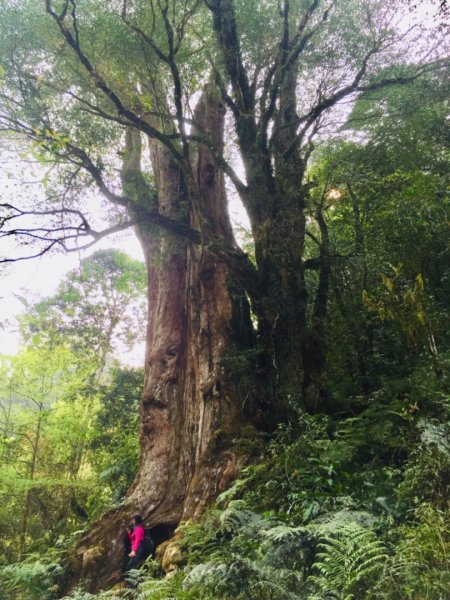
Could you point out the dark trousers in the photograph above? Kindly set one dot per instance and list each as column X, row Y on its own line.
column 133, row 562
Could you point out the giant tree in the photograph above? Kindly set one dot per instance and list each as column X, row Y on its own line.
column 129, row 100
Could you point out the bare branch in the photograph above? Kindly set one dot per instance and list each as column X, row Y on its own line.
column 289, row 53
column 178, row 96
column 146, row 38
column 309, row 118
column 57, row 236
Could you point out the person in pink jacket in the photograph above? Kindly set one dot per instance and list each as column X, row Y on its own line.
column 136, row 536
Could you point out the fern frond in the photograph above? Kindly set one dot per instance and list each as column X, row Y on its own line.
column 346, row 557
column 229, row 494
column 243, row 579
column 284, row 534
column 237, row 518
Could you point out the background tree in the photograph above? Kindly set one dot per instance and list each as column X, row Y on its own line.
column 57, row 394
column 31, row 385
column 385, row 208
column 95, row 308
column 113, row 449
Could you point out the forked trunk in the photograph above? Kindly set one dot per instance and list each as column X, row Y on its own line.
column 189, row 412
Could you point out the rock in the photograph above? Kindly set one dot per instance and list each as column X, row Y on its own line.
column 171, row 574
column 118, row 588
column 91, row 558
column 169, row 554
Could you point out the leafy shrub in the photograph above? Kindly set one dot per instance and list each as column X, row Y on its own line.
column 35, row 577
column 420, row 567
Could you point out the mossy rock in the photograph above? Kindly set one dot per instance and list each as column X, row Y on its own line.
column 169, row 554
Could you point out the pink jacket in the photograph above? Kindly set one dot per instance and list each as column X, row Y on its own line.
column 136, row 538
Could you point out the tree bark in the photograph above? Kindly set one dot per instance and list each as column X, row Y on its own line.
column 197, row 316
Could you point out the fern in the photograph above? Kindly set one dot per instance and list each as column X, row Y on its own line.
column 205, row 574
column 345, row 558
column 282, row 534
column 79, row 594
column 420, row 567
column 246, row 558
column 163, row 589
column 35, row 577
column 236, row 518
column 334, row 521
column 230, row 494
column 242, row 579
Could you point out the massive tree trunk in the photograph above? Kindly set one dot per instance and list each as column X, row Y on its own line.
column 276, row 198
column 198, row 316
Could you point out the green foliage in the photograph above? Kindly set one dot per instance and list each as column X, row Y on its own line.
column 406, row 125
column 32, row 578
column 354, row 507
column 237, row 553
column 162, row 589
column 420, row 566
column 97, row 308
column 240, row 578
column 36, row 448
column 427, row 473
column 351, row 502
column 68, row 418
column 229, row 557
column 305, row 471
column 113, row 448
column 79, row 594
column 347, row 561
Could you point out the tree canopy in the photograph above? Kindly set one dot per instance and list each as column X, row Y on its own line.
column 75, row 75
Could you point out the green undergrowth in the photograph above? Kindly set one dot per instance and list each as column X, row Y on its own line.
column 350, row 506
